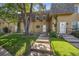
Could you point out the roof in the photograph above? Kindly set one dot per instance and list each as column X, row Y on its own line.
column 59, row 8
column 62, row 8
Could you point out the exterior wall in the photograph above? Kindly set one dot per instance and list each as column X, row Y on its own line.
column 10, row 26
column 2, row 25
column 68, row 19
column 33, row 26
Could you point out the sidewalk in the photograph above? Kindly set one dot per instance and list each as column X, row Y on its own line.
column 41, row 47
column 73, row 40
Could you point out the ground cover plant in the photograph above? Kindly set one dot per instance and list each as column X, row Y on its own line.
column 17, row 44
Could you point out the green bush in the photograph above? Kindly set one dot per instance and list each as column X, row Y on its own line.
column 75, row 33
column 53, row 34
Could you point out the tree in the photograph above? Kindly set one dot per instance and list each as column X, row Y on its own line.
column 23, row 12
column 29, row 19
column 56, row 20
column 42, row 7
column 55, row 7
column 8, row 13
column 24, row 9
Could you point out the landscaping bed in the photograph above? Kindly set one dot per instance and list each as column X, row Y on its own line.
column 17, row 44
column 63, row 48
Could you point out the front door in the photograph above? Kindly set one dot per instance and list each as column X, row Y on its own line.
column 44, row 28
column 62, row 27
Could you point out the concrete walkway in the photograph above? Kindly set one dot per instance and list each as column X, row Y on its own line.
column 73, row 40
column 41, row 47
column 4, row 52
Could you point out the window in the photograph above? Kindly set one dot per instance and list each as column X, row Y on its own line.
column 75, row 25
column 37, row 26
column 37, row 17
column 77, row 9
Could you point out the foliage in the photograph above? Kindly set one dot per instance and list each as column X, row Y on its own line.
column 63, row 48
column 17, row 44
column 8, row 12
column 42, row 7
column 53, row 34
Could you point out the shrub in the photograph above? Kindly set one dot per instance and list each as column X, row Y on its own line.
column 53, row 34
column 75, row 33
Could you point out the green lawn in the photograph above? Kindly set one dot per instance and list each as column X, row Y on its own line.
column 17, row 44
column 1, row 34
column 63, row 48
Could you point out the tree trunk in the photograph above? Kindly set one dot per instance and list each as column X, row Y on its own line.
column 19, row 26
column 56, row 19
column 29, row 19
column 19, row 19
column 23, row 13
column 26, row 21
column 49, row 22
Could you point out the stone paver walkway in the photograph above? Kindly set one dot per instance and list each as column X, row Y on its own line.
column 41, row 47
column 73, row 40
column 4, row 52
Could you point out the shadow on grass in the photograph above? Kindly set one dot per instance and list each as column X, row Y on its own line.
column 17, row 44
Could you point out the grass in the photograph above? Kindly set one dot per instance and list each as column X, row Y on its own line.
column 17, row 44
column 63, row 48
column 1, row 34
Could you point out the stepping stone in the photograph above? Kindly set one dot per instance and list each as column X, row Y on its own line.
column 4, row 52
column 33, row 53
column 41, row 47
column 42, row 40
